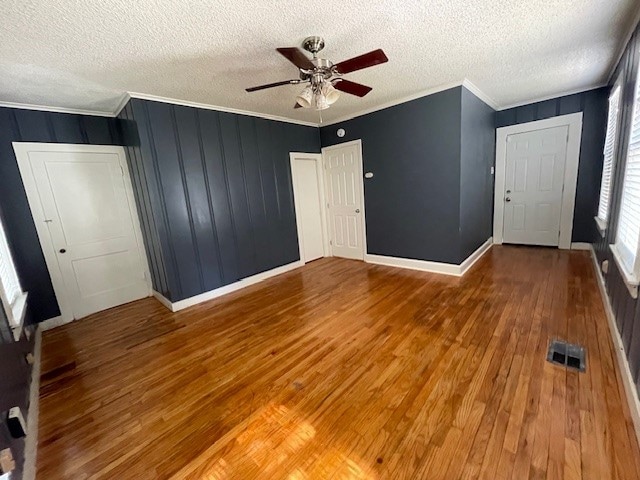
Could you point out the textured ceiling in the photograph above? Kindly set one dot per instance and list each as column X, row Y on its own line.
column 86, row 54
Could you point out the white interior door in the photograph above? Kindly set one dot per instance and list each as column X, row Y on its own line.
column 308, row 193
column 534, row 180
column 82, row 202
column 345, row 200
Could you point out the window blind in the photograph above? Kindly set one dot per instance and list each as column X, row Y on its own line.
column 10, row 289
column 609, row 155
column 629, row 219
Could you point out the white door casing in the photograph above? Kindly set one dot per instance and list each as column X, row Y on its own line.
column 308, row 194
column 573, row 123
column 345, row 199
column 534, row 182
column 82, row 203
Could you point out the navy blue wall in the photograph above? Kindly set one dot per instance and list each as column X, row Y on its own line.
column 426, row 190
column 593, row 105
column 413, row 200
column 625, row 308
column 15, row 376
column 478, row 142
column 214, row 193
column 35, row 126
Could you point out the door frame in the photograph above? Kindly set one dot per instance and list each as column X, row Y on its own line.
column 22, row 150
column 363, row 220
column 317, row 157
column 574, row 122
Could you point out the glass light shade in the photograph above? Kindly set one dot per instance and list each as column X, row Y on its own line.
column 305, row 97
column 330, row 93
column 320, row 102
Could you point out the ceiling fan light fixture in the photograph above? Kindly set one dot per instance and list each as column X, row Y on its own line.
column 325, row 82
column 305, row 97
column 320, row 102
column 330, row 93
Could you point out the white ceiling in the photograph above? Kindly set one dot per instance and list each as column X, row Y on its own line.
column 86, row 54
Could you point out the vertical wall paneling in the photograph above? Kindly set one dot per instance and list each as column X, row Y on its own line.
column 255, row 192
column 593, row 105
column 36, row 126
column 143, row 195
column 220, row 196
column 218, row 190
column 625, row 308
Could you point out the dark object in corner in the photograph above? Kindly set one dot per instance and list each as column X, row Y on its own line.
column 16, row 424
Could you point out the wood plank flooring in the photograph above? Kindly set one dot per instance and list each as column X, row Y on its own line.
column 344, row 370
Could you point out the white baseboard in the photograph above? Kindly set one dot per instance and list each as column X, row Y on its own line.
column 54, row 322
column 31, row 441
column 580, row 246
column 162, row 299
column 623, row 364
column 475, row 256
column 218, row 292
column 433, row 267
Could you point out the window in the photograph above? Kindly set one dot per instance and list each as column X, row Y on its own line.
column 609, row 158
column 628, row 235
column 13, row 299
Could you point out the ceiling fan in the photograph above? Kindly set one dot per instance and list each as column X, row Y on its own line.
column 324, row 78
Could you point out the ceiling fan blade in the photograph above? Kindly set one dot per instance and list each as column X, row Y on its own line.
column 363, row 61
column 297, row 57
column 271, row 85
column 353, row 88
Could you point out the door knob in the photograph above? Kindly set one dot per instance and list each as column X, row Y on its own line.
column 507, row 199
column 62, row 250
column 357, row 210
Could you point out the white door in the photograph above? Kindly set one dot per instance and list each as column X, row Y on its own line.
column 308, row 187
column 345, row 206
column 82, row 202
column 534, row 180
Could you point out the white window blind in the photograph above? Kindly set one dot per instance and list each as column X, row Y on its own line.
column 629, row 217
column 609, row 155
column 13, row 299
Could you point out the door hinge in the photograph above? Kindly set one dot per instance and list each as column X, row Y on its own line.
column 330, row 242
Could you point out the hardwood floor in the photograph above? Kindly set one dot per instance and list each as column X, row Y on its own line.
column 344, row 370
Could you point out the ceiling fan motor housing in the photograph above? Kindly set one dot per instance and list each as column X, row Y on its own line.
column 313, row 44
column 323, row 70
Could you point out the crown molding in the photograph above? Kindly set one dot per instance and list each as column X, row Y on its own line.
column 424, row 93
column 480, row 94
column 623, row 47
column 123, row 103
column 551, row 97
column 127, row 96
column 217, row 108
column 47, row 108
column 393, row 103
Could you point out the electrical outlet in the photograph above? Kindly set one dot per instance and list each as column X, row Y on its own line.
column 15, row 422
